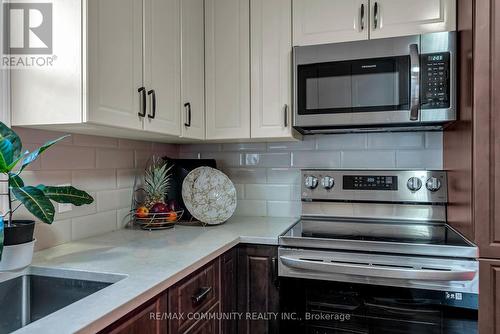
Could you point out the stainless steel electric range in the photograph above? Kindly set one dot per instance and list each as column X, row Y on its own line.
column 375, row 246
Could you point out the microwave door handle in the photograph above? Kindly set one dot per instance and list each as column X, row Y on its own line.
column 376, row 271
column 415, row 83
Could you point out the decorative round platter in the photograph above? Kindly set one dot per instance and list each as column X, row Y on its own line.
column 209, row 195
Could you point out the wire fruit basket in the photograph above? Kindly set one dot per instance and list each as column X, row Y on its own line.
column 156, row 221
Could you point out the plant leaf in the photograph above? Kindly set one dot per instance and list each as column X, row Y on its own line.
column 15, row 181
column 36, row 153
column 9, row 134
column 66, row 194
column 6, row 154
column 36, row 202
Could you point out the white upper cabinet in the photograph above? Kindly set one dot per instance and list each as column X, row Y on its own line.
column 227, row 53
column 390, row 18
column 162, row 66
column 270, row 63
column 115, row 62
column 329, row 21
column 193, row 69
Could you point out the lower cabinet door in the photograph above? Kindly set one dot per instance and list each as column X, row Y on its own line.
column 142, row 320
column 209, row 325
column 257, row 287
column 194, row 296
column 489, row 296
column 229, row 286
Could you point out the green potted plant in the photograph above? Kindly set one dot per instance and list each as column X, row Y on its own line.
column 16, row 236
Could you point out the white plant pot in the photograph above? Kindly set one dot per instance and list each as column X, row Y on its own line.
column 17, row 257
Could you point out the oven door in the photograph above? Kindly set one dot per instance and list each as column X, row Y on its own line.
column 321, row 307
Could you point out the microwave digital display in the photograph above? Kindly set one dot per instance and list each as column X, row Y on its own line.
column 370, row 182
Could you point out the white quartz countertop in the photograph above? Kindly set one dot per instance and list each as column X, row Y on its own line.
column 151, row 261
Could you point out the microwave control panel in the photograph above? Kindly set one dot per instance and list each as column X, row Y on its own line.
column 435, row 70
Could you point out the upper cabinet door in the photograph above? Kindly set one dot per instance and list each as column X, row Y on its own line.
column 193, row 69
column 390, row 18
column 162, row 66
column 270, row 63
column 115, row 62
column 227, row 86
column 329, row 21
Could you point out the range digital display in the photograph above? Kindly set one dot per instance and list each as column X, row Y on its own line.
column 370, row 182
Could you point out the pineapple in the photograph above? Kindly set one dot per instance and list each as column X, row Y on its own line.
column 156, row 182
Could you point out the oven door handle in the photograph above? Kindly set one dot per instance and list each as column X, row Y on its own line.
column 378, row 271
column 415, row 83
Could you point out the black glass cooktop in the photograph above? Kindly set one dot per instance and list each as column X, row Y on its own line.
column 376, row 231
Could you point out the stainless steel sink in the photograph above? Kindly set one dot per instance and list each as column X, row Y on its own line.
column 37, row 292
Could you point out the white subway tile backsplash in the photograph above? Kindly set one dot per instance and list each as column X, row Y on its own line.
column 284, row 208
column 396, row 140
column 434, row 140
column 224, row 159
column 94, row 179
column 49, row 177
column 267, row 159
column 114, row 158
column 91, row 225
column 114, row 199
column 244, row 147
column 123, row 217
column 57, row 233
column 68, row 157
column 428, row 159
column 309, row 143
column 251, row 208
column 200, row 148
column 125, row 177
column 283, row 175
column 93, row 141
column 369, row 159
column 330, row 159
column 346, row 141
column 246, row 175
column 240, row 190
column 268, row 191
column 34, row 136
column 98, row 165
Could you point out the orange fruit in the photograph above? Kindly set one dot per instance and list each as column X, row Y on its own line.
column 172, row 217
column 142, row 212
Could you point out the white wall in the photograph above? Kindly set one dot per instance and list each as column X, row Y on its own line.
column 267, row 176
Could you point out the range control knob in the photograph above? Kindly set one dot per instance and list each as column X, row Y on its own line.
column 433, row 184
column 414, row 184
column 311, row 182
column 327, row 182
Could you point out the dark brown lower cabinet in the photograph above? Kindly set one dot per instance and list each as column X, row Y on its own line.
column 229, row 286
column 257, row 288
column 195, row 295
column 489, row 302
column 142, row 320
column 243, row 280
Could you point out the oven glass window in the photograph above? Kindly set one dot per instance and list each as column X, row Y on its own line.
column 380, row 84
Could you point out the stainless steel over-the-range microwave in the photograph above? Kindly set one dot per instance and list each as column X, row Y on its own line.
column 381, row 84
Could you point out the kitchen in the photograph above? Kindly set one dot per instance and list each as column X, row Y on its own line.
column 355, row 141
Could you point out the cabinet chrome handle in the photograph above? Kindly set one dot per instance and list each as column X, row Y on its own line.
column 152, row 91
column 142, row 91
column 362, row 17
column 415, row 83
column 375, row 15
column 285, row 112
column 187, row 106
column 201, row 294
